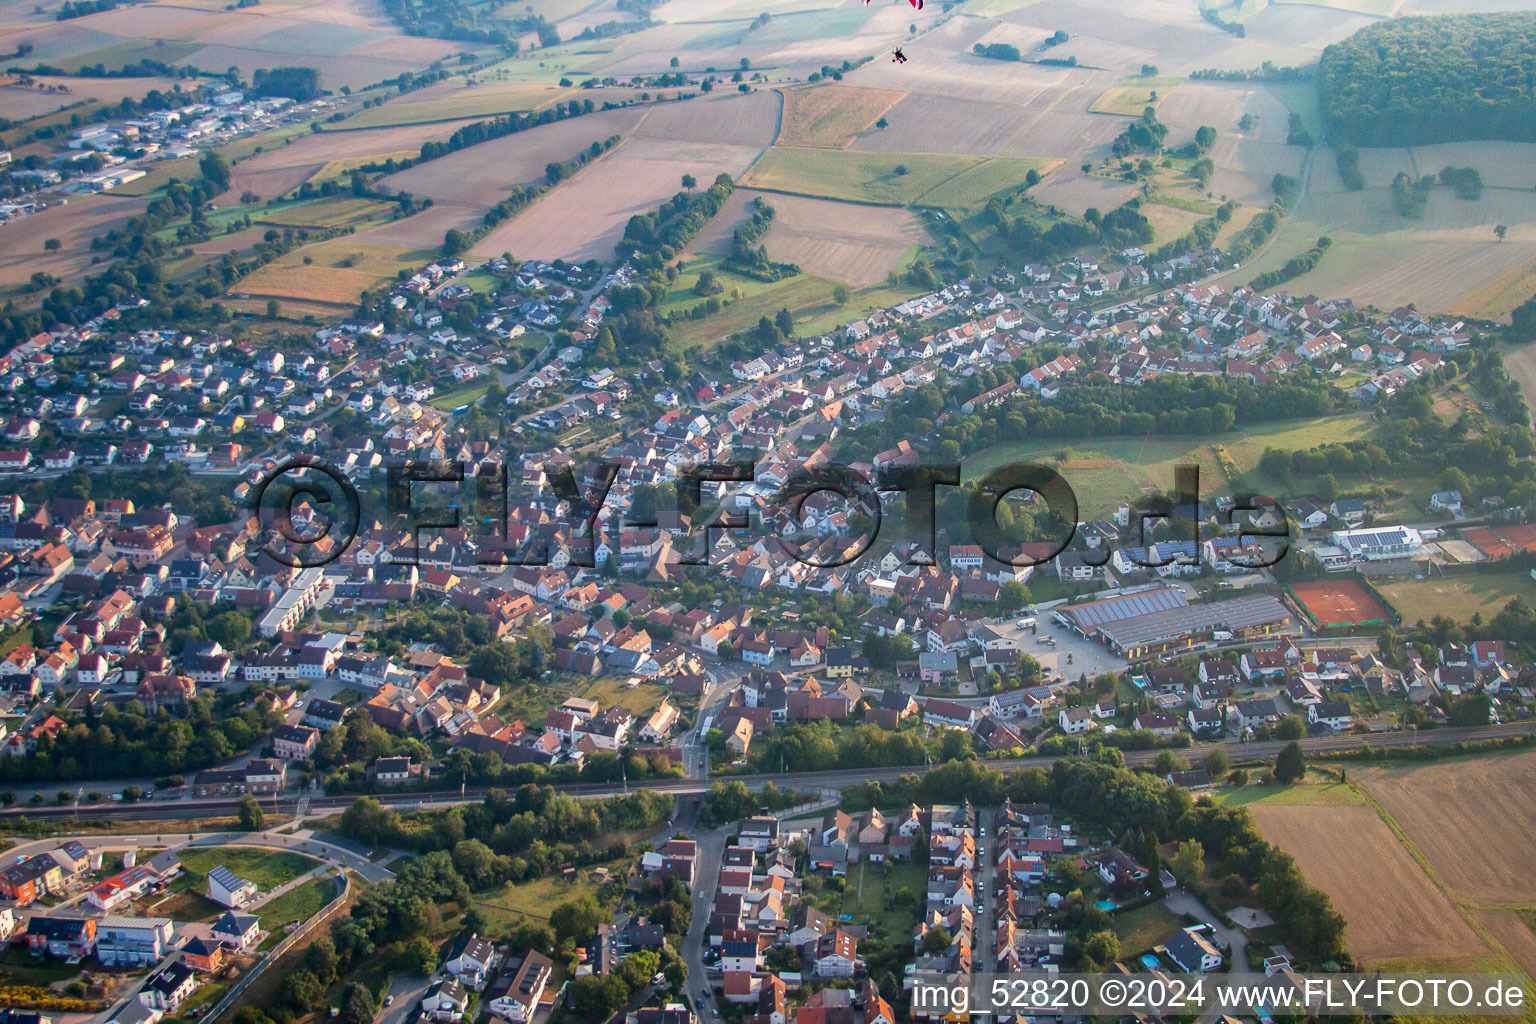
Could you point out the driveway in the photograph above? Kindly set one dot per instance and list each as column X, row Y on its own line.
column 406, row 990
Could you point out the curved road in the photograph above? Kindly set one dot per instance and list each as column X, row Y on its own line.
column 834, row 779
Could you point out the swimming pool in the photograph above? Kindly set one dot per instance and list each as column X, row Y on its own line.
column 1151, row 962
column 1105, row 904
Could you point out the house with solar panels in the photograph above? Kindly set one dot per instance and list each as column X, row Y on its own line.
column 228, row 889
column 1379, row 542
column 1161, row 621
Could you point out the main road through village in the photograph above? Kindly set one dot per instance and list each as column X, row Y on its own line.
column 682, row 787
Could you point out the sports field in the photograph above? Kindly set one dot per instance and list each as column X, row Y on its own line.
column 1339, row 603
column 1502, row 541
column 1458, row 597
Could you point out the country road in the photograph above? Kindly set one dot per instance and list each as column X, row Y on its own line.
column 833, row 779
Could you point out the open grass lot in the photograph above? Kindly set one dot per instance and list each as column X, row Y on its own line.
column 1482, row 804
column 638, row 700
column 830, row 116
column 1108, row 471
column 508, row 906
column 1135, row 94
column 297, row 904
column 1458, row 597
column 267, row 868
column 856, row 176
column 1141, row 929
column 335, row 211
column 1313, row 791
column 803, row 295
column 1392, row 907
column 468, row 395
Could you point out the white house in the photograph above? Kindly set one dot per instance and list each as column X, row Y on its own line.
column 228, row 890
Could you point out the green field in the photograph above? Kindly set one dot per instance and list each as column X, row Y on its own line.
column 129, row 51
column 1106, row 472
column 857, row 177
column 479, row 101
column 1315, row 790
column 1134, row 94
column 467, row 395
column 267, row 868
column 970, row 189
column 1144, row 927
column 1458, row 597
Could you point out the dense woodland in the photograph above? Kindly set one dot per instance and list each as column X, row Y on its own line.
column 1415, row 81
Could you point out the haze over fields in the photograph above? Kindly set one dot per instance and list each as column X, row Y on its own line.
column 874, row 157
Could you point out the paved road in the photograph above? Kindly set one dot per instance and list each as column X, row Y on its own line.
column 799, row 780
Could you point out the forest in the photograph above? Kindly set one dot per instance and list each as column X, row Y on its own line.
column 1414, row 81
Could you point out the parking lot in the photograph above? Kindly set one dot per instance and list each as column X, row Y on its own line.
column 1070, row 657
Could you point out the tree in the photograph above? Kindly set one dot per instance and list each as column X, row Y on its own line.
column 1290, row 766
column 1012, row 596
column 1205, row 136
column 936, row 941
column 230, row 629
column 302, row 991
column 690, row 182
column 1471, row 709
column 882, row 123
column 1188, row 863
column 131, row 794
column 1290, row 727
column 575, row 919
column 357, row 1005
column 273, row 309
column 1501, row 230
column 1100, row 950
column 1216, row 762
column 840, row 294
column 417, row 956
column 320, row 959
column 675, row 62
column 251, row 818
column 52, row 244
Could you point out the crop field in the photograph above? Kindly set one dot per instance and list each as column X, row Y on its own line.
column 1513, row 932
column 887, row 179
column 1520, row 361
column 1222, row 105
column 832, row 116
column 481, row 176
column 1392, row 907
column 584, row 217
column 336, row 211
column 326, row 281
column 1104, row 472
column 856, row 245
column 1135, row 94
column 449, row 101
column 283, row 166
column 1440, row 262
column 1377, row 8
column 736, row 120
column 1449, row 809
column 1457, row 597
column 74, row 224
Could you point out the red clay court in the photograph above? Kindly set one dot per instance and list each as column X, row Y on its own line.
column 1502, row 541
column 1339, row 603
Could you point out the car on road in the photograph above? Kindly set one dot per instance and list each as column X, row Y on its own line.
column 388, row 1000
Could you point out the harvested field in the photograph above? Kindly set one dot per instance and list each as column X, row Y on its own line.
column 1339, row 603
column 1512, row 931
column 717, row 235
column 74, row 224
column 832, row 116
column 584, row 217
column 1135, row 94
column 1451, row 808
column 1072, row 190
column 1498, row 298
column 856, row 245
column 1520, row 361
column 1222, row 105
column 326, row 281
column 728, row 121
column 1246, row 168
column 480, row 176
column 1392, row 907
column 279, row 169
column 1168, row 222
column 1441, row 262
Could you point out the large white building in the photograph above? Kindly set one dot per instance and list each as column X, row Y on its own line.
column 1379, row 542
